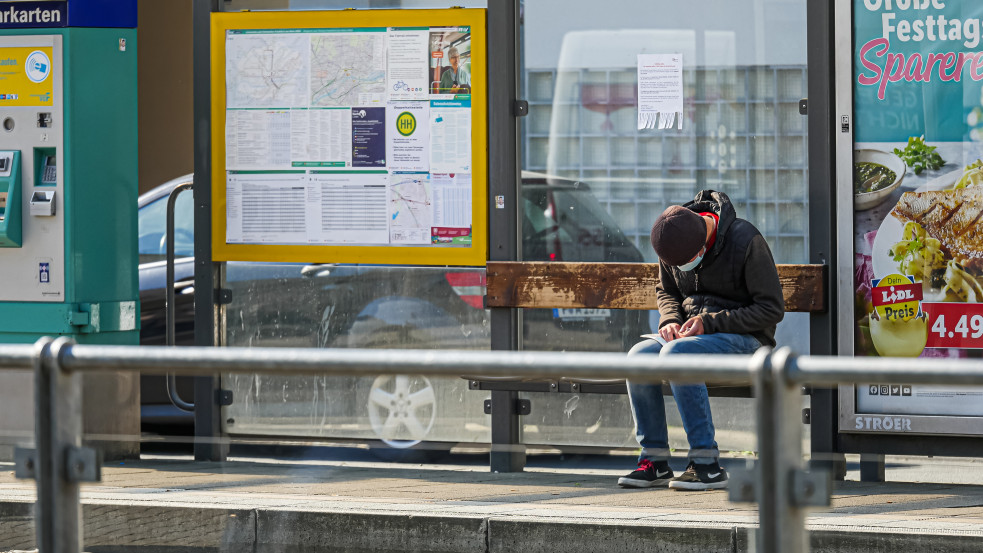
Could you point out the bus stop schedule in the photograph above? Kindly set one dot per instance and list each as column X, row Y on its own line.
column 348, row 136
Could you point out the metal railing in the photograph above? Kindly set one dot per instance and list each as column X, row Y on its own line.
column 170, row 381
column 778, row 483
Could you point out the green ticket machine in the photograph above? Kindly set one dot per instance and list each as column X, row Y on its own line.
column 68, row 196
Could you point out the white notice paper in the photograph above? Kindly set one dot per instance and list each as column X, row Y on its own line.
column 265, row 208
column 408, row 76
column 408, row 136
column 296, row 208
column 660, row 91
column 257, row 139
column 450, row 137
column 321, row 135
column 452, row 200
column 351, row 208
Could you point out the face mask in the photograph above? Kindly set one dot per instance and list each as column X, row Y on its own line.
column 692, row 264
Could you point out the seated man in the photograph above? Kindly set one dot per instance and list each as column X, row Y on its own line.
column 718, row 292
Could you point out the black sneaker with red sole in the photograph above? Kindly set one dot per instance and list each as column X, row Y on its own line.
column 648, row 475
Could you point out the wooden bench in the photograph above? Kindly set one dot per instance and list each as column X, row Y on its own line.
column 541, row 285
column 547, row 285
column 621, row 285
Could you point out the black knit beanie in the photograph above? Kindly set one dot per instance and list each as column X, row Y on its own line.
column 678, row 235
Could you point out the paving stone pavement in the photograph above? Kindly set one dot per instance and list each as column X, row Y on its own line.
column 267, row 505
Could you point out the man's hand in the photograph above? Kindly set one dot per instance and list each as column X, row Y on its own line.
column 692, row 327
column 669, row 332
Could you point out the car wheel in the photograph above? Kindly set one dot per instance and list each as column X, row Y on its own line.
column 402, row 411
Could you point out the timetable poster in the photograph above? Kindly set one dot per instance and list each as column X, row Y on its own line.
column 354, row 136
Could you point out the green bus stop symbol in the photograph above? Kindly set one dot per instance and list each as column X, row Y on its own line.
column 405, row 123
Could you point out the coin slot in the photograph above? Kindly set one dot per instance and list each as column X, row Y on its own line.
column 8, row 124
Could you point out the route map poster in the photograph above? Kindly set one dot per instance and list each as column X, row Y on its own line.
column 918, row 198
column 361, row 137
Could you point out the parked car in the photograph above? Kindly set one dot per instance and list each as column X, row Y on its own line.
column 366, row 306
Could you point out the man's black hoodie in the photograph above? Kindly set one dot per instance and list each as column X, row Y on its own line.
column 735, row 288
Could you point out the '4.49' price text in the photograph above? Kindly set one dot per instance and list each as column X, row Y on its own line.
column 954, row 325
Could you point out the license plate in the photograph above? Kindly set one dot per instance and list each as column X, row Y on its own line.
column 581, row 314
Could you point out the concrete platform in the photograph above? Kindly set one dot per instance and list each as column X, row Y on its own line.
column 267, row 506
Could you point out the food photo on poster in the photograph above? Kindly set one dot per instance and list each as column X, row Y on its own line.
column 918, row 178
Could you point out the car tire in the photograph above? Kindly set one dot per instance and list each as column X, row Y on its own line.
column 421, row 452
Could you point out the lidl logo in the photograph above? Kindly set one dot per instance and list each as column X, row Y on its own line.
column 896, row 297
column 37, row 66
column 405, row 123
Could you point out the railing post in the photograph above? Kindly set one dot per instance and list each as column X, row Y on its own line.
column 58, row 420
column 783, row 488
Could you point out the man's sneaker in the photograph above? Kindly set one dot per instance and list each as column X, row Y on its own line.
column 700, row 477
column 648, row 475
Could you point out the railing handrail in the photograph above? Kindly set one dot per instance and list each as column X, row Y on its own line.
column 17, row 356
column 200, row 361
column 832, row 370
column 783, row 490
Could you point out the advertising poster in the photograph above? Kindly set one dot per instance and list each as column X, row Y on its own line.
column 918, row 195
column 330, row 137
column 450, row 61
column 368, row 137
column 25, row 76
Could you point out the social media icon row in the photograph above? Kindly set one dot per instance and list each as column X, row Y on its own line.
column 889, row 390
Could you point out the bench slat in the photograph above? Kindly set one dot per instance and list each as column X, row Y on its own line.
column 530, row 284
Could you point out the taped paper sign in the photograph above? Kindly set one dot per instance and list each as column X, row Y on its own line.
column 660, row 91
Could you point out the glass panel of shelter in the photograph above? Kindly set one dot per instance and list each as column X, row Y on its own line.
column 744, row 71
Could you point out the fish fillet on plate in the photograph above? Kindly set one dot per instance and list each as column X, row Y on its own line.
column 951, row 216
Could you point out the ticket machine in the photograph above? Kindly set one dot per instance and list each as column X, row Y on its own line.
column 68, row 191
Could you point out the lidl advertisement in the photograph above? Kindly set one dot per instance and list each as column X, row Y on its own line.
column 26, row 76
column 918, row 193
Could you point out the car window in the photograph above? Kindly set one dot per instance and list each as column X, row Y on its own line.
column 566, row 224
column 152, row 221
column 578, row 210
column 536, row 216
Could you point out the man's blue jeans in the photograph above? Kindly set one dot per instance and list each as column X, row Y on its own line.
column 649, row 407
